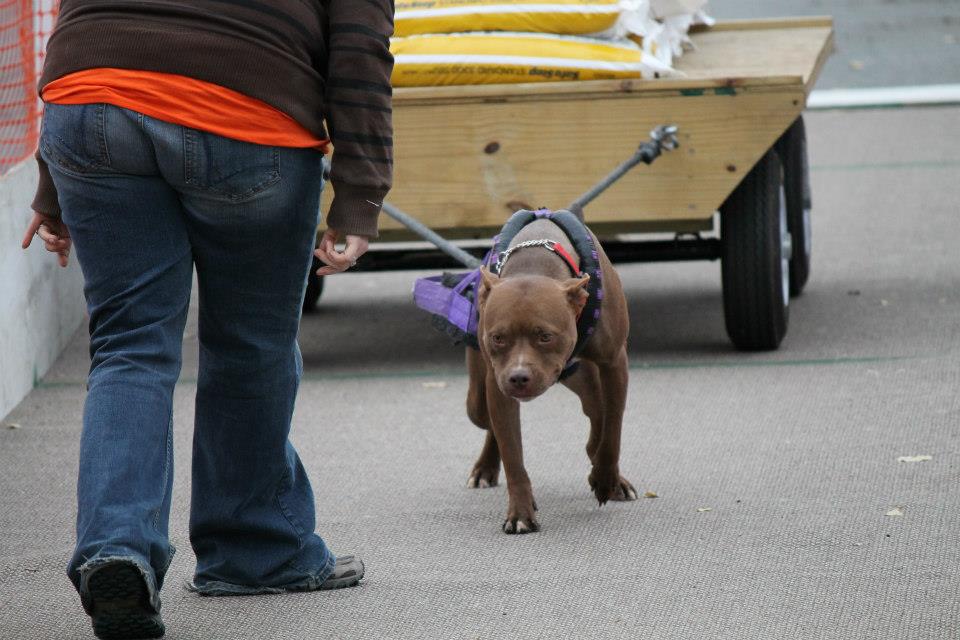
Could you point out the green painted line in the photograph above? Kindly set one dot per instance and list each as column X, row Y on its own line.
column 307, row 377
column 691, row 92
column 915, row 164
column 725, row 91
column 381, row 375
column 634, row 366
column 748, row 364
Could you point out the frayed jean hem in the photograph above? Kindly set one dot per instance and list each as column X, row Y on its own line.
column 218, row 588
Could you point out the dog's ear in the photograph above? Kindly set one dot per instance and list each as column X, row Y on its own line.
column 576, row 290
column 488, row 280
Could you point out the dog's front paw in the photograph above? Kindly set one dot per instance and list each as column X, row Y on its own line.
column 608, row 484
column 483, row 477
column 521, row 520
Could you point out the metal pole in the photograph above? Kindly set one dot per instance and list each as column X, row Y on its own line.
column 663, row 137
column 419, row 229
column 429, row 235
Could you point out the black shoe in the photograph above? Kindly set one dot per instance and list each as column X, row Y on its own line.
column 118, row 601
column 346, row 573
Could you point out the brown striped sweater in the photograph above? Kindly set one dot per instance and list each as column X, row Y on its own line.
column 315, row 60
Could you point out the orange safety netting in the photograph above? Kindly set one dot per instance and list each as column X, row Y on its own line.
column 25, row 26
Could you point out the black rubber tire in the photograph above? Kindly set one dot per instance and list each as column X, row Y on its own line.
column 755, row 306
column 314, row 287
column 792, row 149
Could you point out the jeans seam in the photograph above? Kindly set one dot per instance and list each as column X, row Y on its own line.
column 166, row 472
column 102, row 135
column 285, row 511
column 188, row 153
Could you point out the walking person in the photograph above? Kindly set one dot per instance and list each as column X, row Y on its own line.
column 182, row 135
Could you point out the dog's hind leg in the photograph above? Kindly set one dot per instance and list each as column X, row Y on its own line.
column 605, row 478
column 477, row 390
column 585, row 382
column 486, row 470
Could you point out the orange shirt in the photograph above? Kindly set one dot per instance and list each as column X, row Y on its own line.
column 184, row 101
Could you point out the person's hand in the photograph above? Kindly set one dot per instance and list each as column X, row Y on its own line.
column 339, row 261
column 55, row 236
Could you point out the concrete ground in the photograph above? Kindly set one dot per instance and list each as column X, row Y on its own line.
column 794, row 453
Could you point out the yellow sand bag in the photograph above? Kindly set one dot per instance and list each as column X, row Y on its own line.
column 504, row 58
column 572, row 17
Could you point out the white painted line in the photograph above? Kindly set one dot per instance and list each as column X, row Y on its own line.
column 884, row 97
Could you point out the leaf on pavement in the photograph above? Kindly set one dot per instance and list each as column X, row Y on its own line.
column 914, row 458
column 704, row 509
column 895, row 512
column 650, row 494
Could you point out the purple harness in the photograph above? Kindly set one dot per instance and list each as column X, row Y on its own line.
column 451, row 298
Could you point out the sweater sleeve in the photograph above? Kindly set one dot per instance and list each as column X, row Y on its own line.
column 359, row 112
column 45, row 201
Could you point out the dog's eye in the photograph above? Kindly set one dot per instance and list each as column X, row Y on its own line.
column 545, row 337
column 497, row 339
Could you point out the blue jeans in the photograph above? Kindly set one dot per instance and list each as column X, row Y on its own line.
column 145, row 201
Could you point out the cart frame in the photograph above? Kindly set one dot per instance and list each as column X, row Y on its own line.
column 467, row 157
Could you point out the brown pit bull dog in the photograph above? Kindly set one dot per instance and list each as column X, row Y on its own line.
column 527, row 331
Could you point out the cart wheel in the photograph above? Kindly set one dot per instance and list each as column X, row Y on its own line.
column 314, row 287
column 792, row 149
column 755, row 258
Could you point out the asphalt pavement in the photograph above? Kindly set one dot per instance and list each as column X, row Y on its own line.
column 783, row 511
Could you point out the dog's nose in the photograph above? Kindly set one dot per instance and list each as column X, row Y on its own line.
column 520, row 378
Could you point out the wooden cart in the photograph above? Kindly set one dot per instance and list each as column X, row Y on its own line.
column 467, row 157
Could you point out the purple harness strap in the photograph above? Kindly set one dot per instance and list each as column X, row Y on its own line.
column 457, row 305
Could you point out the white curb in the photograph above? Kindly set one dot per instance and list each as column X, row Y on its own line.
column 934, row 94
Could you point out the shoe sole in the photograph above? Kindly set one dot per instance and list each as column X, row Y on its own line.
column 120, row 604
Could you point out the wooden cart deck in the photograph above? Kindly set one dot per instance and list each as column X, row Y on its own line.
column 467, row 157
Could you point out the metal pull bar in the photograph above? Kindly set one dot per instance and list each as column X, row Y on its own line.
column 429, row 235
column 418, row 228
column 662, row 138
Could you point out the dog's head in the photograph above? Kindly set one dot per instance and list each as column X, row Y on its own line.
column 528, row 329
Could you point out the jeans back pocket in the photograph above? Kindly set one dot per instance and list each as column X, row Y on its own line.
column 228, row 169
column 73, row 137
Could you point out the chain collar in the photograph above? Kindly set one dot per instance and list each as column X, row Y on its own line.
column 550, row 245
